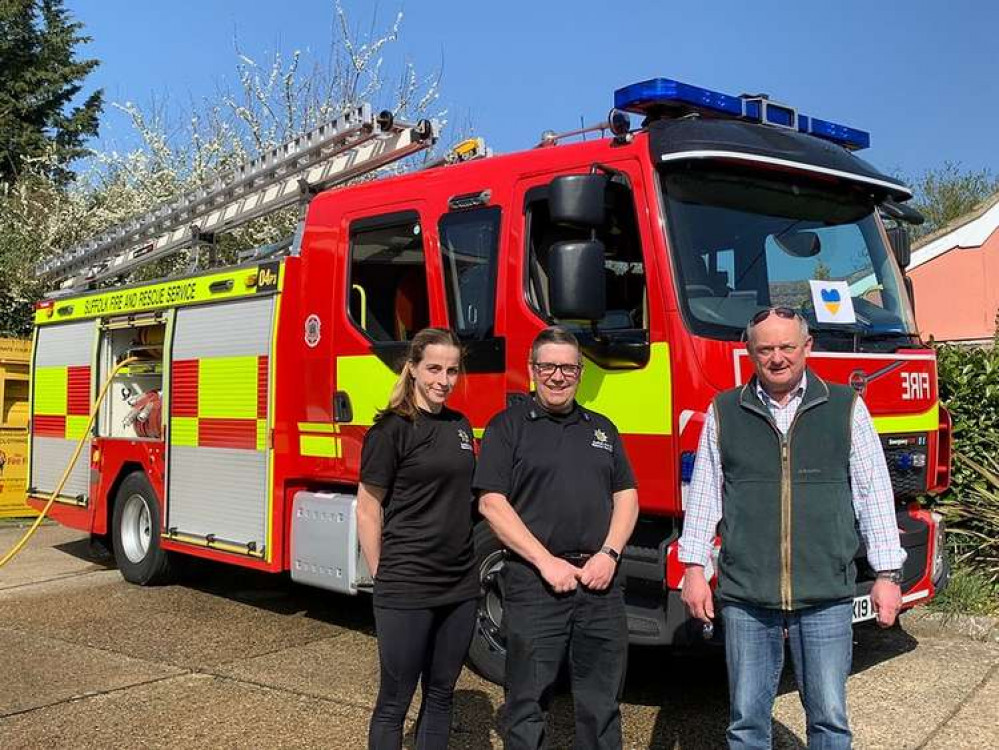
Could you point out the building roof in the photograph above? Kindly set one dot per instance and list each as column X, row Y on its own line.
column 970, row 230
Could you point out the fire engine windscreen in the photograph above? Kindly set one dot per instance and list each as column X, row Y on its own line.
column 742, row 241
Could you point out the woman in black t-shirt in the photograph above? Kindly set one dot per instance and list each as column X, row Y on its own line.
column 414, row 517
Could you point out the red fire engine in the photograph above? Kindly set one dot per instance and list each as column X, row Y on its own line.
column 233, row 432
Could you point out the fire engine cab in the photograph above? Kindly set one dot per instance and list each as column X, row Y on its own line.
column 234, row 430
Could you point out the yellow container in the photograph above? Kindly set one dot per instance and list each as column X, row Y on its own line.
column 15, row 355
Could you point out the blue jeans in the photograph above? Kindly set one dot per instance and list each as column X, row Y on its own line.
column 821, row 644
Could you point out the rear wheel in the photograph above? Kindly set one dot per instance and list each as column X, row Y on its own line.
column 136, row 533
column 487, row 654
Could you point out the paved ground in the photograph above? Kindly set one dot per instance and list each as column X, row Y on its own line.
column 232, row 659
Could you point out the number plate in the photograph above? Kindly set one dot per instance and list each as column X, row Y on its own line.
column 863, row 609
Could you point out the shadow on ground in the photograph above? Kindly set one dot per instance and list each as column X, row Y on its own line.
column 690, row 689
column 277, row 593
column 94, row 553
column 686, row 690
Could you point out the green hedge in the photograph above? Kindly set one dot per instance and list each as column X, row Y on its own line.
column 969, row 386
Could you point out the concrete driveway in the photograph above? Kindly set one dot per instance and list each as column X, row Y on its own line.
column 231, row 659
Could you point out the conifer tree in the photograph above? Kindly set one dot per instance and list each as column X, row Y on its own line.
column 40, row 80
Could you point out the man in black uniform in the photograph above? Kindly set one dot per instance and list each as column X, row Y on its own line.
column 555, row 485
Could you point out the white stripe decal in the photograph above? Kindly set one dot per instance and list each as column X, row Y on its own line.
column 739, row 156
column 736, row 353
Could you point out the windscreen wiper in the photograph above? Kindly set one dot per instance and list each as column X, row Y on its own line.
column 860, row 336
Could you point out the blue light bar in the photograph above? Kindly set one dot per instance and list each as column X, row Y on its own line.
column 664, row 97
column 853, row 139
column 664, row 92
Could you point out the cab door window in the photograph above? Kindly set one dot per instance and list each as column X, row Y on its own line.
column 388, row 277
column 469, row 252
column 469, row 242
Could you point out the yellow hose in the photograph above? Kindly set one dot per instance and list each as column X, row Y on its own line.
column 72, row 462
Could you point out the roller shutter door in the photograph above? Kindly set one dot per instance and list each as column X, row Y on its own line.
column 218, row 454
column 61, row 398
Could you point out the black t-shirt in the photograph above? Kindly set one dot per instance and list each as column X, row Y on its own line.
column 559, row 472
column 426, row 466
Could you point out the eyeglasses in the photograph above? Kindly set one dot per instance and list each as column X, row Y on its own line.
column 781, row 312
column 547, row 369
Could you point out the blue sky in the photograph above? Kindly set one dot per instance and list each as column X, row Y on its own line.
column 918, row 75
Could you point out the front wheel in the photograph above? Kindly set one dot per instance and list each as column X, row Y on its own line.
column 487, row 654
column 136, row 533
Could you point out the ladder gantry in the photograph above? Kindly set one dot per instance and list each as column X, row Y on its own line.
column 354, row 144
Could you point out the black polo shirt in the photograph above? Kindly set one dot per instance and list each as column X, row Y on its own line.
column 559, row 472
column 427, row 558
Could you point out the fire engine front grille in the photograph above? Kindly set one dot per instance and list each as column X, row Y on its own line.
column 906, row 456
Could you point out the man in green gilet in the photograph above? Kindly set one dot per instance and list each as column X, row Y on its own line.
column 788, row 469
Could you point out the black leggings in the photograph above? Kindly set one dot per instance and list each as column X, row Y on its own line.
column 428, row 645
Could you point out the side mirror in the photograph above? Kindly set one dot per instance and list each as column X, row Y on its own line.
column 898, row 236
column 578, row 199
column 902, row 212
column 576, row 286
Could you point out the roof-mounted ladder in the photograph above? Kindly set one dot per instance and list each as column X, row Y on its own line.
column 354, row 144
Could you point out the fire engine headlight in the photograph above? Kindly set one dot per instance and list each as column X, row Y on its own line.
column 939, row 547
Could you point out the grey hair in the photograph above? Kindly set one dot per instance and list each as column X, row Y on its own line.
column 802, row 323
column 554, row 335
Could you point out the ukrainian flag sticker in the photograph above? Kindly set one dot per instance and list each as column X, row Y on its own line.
column 832, row 302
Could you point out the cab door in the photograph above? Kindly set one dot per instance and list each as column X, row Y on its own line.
column 385, row 291
column 407, row 266
column 465, row 242
column 627, row 368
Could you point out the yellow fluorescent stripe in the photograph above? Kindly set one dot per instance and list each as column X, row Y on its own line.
column 368, row 381
column 51, row 386
column 184, row 431
column 325, row 427
column 638, row 402
column 928, row 421
column 227, row 387
column 76, row 427
column 261, row 434
column 321, row 446
column 478, row 431
column 229, row 284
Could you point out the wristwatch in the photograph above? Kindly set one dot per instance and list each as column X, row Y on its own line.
column 895, row 576
column 612, row 553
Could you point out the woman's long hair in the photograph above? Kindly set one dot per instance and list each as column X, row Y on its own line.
column 402, row 400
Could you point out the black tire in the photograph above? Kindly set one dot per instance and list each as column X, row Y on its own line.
column 487, row 654
column 135, row 533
